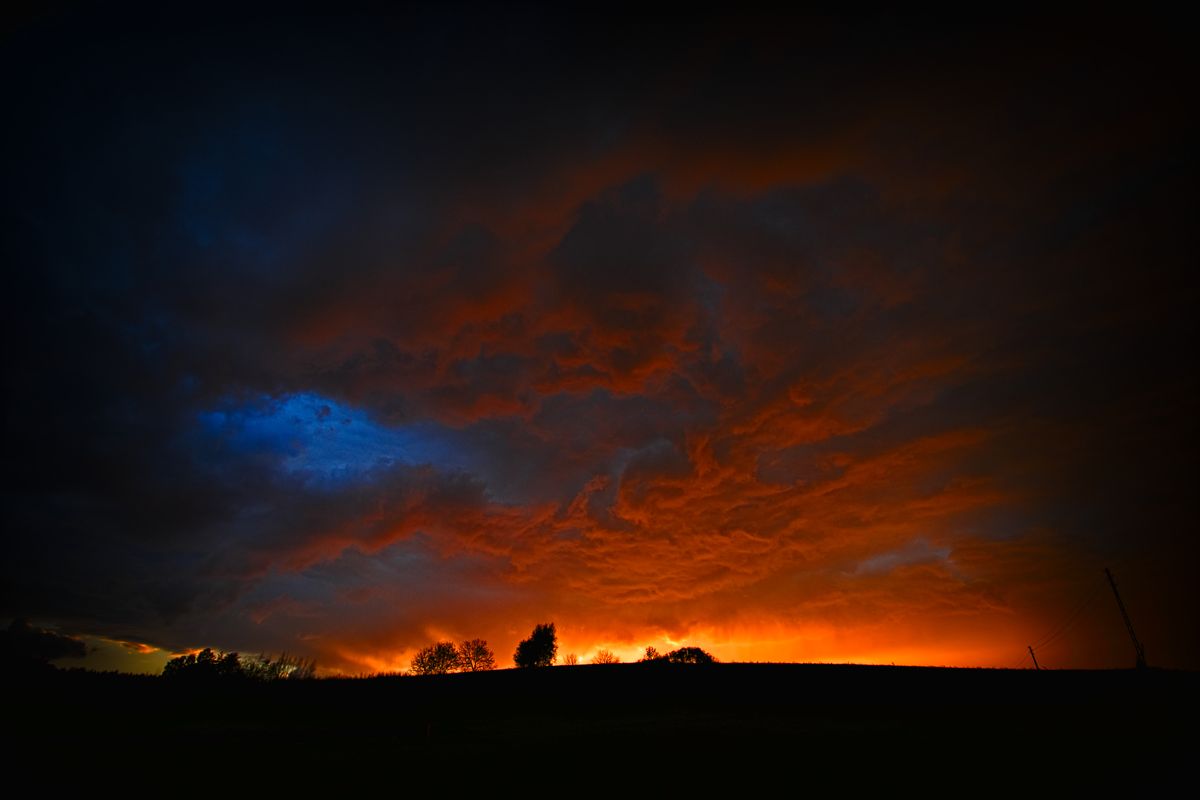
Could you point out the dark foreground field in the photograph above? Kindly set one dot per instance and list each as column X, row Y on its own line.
column 602, row 725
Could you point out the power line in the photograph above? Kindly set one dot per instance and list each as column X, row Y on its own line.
column 1061, row 630
column 1070, row 621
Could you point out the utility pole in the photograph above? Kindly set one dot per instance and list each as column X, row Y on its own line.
column 1141, row 652
column 1031, row 655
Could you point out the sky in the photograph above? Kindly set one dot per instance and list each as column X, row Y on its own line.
column 793, row 338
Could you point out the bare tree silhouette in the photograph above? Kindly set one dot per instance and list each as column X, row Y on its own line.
column 436, row 659
column 605, row 657
column 474, row 655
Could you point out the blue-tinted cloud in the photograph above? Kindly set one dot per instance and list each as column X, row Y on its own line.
column 320, row 441
column 918, row 551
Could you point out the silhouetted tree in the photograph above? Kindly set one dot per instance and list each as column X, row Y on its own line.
column 179, row 666
column 570, row 660
column 228, row 666
column 689, row 655
column 475, row 656
column 605, row 657
column 208, row 664
column 539, row 649
column 436, row 659
column 650, row 655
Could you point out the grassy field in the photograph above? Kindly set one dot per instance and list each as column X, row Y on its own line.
column 822, row 724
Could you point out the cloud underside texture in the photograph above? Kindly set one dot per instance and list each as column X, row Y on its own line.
column 873, row 347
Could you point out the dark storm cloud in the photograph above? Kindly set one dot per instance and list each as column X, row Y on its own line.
column 25, row 641
column 460, row 302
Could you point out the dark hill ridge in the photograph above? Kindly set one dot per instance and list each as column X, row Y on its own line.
column 826, row 717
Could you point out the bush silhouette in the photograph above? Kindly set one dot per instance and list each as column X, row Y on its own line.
column 283, row 667
column 684, row 655
column 605, row 657
column 540, row 649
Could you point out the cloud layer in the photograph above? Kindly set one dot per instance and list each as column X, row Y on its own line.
column 341, row 338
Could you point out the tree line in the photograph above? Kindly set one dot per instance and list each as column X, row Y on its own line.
column 470, row 655
column 539, row 650
column 209, row 664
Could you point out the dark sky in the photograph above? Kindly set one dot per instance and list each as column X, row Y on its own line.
column 792, row 338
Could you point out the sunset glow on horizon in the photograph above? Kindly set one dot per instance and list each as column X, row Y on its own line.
column 791, row 340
